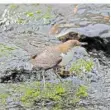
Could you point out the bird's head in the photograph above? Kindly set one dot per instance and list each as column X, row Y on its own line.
column 73, row 43
column 66, row 46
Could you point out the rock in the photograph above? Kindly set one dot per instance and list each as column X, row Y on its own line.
column 97, row 36
column 13, row 61
column 91, row 30
column 93, row 26
column 15, row 67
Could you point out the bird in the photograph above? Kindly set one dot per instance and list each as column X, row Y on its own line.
column 52, row 55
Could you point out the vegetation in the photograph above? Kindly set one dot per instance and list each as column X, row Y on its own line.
column 52, row 92
column 35, row 15
column 13, row 6
column 38, row 11
column 3, row 98
column 81, row 66
column 82, row 91
column 29, row 14
column 5, row 50
column 59, row 95
column 20, row 20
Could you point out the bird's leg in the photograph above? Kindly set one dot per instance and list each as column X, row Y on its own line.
column 43, row 75
column 58, row 75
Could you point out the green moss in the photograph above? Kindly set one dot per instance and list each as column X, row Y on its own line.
column 57, row 107
column 47, row 16
column 20, row 21
column 82, row 91
column 3, row 97
column 29, row 14
column 82, row 65
column 29, row 96
column 60, row 95
column 3, row 47
column 13, row 6
column 38, row 11
column 52, row 92
column 5, row 50
column 75, row 100
column 59, row 89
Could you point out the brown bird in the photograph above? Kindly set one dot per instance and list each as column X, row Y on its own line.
column 51, row 56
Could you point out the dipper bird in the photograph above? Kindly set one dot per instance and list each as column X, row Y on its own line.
column 52, row 55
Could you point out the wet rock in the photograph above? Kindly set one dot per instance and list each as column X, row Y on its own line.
column 12, row 105
column 13, row 61
column 97, row 36
column 17, row 68
column 92, row 24
column 92, row 30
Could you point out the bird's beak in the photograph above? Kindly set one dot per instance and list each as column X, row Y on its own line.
column 83, row 43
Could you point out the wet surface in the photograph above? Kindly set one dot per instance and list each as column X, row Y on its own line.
column 25, row 31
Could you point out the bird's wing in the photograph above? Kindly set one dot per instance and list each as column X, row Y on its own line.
column 48, row 59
